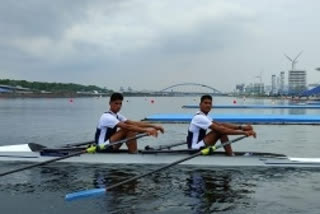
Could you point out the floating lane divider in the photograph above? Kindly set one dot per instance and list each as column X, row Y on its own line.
column 101, row 191
column 91, row 149
column 236, row 106
column 241, row 118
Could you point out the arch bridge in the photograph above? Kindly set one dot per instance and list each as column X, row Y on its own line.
column 214, row 90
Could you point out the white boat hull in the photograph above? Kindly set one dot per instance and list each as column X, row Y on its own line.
column 23, row 154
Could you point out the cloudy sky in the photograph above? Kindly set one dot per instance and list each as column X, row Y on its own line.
column 152, row 44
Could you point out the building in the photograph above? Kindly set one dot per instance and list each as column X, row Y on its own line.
column 258, row 88
column 13, row 89
column 255, row 89
column 281, row 85
column 273, row 85
column 297, row 82
column 240, row 88
column 5, row 89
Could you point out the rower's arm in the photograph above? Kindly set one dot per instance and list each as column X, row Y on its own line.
column 234, row 126
column 145, row 125
column 130, row 127
column 228, row 125
column 229, row 131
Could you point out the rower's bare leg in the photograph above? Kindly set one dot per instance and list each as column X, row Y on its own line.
column 132, row 144
column 123, row 134
column 119, row 135
column 212, row 137
column 227, row 148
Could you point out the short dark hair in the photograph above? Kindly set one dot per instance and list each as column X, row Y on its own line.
column 116, row 96
column 205, row 97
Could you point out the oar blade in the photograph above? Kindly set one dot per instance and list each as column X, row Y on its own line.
column 85, row 194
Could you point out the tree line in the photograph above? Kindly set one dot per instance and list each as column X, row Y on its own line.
column 53, row 87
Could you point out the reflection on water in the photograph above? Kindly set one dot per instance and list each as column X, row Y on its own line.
column 297, row 111
column 217, row 191
column 200, row 191
column 213, row 191
column 177, row 190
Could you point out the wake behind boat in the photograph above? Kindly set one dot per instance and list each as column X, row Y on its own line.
column 38, row 153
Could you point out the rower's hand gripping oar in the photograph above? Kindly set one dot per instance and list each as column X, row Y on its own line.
column 101, row 191
column 91, row 149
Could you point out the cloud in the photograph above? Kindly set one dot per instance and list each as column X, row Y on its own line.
column 113, row 43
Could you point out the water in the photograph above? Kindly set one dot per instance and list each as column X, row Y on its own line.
column 177, row 190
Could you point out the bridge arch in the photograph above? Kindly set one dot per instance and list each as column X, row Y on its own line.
column 215, row 91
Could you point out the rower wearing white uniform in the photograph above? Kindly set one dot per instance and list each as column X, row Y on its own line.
column 113, row 126
column 197, row 132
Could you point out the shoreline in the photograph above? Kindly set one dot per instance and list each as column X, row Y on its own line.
column 77, row 95
column 36, row 95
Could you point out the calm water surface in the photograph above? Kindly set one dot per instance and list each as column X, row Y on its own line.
column 177, row 190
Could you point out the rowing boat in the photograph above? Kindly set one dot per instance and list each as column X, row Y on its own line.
column 37, row 153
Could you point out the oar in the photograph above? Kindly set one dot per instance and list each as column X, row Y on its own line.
column 77, row 144
column 101, row 191
column 91, row 149
column 161, row 147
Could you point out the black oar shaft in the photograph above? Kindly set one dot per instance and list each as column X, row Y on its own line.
column 43, row 163
column 162, row 147
column 173, row 164
column 171, row 146
column 69, row 156
column 78, row 144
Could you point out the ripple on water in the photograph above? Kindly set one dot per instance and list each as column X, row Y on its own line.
column 177, row 190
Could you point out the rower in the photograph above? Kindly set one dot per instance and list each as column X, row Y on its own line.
column 197, row 132
column 113, row 126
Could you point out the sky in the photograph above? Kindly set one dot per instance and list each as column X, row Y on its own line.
column 152, row 44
